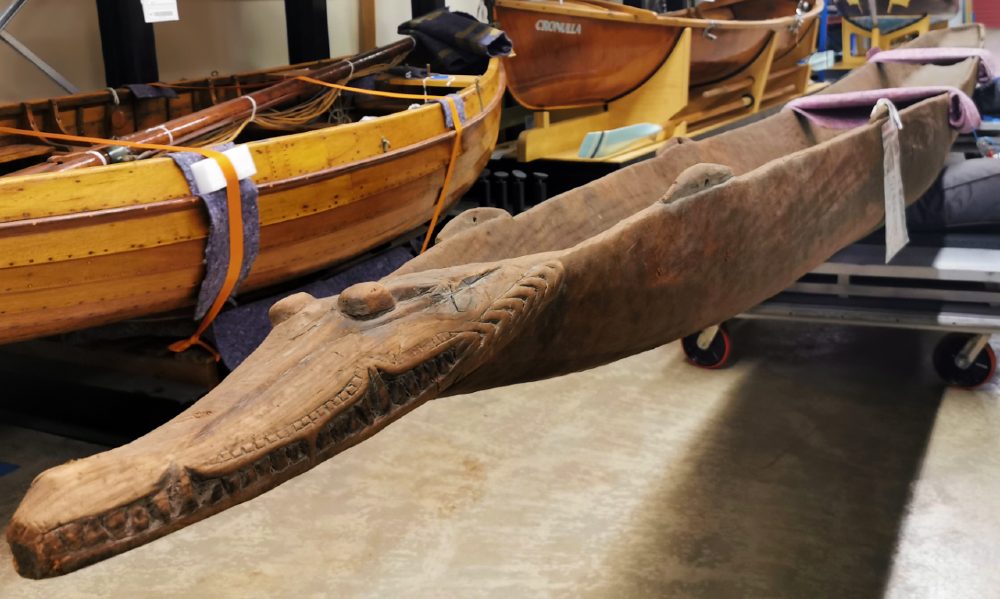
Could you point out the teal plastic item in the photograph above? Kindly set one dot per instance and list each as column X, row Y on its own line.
column 600, row 144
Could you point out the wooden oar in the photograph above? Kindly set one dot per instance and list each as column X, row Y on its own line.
column 179, row 130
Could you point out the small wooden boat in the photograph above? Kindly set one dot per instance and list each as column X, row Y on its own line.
column 646, row 255
column 117, row 112
column 576, row 53
column 85, row 247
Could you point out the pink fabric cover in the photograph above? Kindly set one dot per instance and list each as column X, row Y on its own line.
column 849, row 110
column 989, row 65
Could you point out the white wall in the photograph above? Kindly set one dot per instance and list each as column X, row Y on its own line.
column 212, row 35
column 65, row 35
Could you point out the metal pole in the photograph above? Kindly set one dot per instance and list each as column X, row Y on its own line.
column 873, row 10
column 10, row 11
column 38, row 62
column 23, row 50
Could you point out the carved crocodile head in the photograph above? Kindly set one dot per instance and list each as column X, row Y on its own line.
column 386, row 349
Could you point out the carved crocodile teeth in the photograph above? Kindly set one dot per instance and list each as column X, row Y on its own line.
column 377, row 397
column 139, row 518
column 397, row 395
column 279, row 460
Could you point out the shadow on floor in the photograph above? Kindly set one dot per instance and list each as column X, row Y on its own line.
column 799, row 485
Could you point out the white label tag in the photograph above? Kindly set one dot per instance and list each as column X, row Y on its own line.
column 896, row 234
column 157, row 11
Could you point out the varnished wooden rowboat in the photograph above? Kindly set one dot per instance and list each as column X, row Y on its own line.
column 116, row 112
column 86, row 247
column 577, row 53
column 648, row 254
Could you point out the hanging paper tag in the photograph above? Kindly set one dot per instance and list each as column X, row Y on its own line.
column 896, row 235
column 157, row 11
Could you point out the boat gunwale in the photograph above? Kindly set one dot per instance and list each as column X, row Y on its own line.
column 493, row 73
column 807, row 22
column 524, row 220
column 764, row 167
column 640, row 16
column 112, row 214
column 102, row 97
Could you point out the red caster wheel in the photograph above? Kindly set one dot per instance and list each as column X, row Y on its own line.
column 960, row 370
column 716, row 355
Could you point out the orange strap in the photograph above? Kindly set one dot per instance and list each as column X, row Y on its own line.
column 234, row 210
column 454, row 148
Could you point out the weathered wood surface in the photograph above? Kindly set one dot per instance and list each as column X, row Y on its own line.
column 88, row 247
column 588, row 52
column 627, row 263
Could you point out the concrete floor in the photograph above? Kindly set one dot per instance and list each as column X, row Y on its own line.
column 827, row 462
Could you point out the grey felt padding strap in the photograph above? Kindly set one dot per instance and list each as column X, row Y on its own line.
column 217, row 247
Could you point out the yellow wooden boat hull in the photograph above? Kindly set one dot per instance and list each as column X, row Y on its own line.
column 89, row 247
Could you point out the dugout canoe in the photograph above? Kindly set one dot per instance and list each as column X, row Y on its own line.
column 579, row 53
column 644, row 256
column 86, row 247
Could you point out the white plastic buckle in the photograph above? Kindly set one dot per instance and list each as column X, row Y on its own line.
column 208, row 176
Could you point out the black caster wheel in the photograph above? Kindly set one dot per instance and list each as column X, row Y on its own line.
column 717, row 354
column 978, row 373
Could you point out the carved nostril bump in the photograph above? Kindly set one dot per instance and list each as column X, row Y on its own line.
column 285, row 308
column 365, row 300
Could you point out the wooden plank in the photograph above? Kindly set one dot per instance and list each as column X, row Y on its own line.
column 366, row 25
column 12, row 152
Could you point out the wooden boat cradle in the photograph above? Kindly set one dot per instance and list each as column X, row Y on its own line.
column 568, row 285
column 670, row 95
column 854, row 35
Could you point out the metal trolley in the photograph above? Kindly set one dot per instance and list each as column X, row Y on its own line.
column 948, row 283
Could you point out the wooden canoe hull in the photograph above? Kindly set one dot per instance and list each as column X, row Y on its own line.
column 652, row 252
column 580, row 53
column 89, row 247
